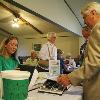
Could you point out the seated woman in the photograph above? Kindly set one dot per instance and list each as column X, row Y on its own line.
column 70, row 64
column 32, row 60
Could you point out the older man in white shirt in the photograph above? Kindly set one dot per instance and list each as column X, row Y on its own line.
column 49, row 50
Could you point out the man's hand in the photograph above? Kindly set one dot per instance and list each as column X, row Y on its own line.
column 63, row 80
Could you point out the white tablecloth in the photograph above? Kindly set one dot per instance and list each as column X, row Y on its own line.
column 73, row 93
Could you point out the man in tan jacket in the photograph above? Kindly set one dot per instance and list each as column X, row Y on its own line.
column 89, row 72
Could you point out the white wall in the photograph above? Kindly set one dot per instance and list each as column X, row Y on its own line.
column 55, row 10
column 67, row 44
column 2, row 36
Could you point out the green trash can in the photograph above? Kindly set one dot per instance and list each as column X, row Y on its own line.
column 15, row 84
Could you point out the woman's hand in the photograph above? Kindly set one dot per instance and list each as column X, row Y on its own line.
column 63, row 80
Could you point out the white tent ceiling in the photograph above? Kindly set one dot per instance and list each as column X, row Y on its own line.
column 32, row 26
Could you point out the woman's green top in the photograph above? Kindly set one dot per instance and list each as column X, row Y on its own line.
column 7, row 63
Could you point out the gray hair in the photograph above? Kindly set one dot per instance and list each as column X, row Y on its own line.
column 33, row 51
column 51, row 34
column 91, row 6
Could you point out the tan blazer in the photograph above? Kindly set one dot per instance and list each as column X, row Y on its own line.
column 1, row 88
column 89, row 73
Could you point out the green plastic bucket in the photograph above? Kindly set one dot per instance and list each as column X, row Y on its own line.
column 15, row 85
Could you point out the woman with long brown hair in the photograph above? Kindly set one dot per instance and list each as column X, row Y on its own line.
column 8, row 50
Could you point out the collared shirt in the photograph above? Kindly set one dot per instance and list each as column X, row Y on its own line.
column 48, row 51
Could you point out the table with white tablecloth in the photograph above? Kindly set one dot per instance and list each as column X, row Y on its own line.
column 73, row 93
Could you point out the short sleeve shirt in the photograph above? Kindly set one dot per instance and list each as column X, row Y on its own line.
column 7, row 63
